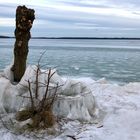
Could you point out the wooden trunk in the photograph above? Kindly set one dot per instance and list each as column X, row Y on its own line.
column 24, row 21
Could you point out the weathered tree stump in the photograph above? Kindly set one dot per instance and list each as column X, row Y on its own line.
column 24, row 21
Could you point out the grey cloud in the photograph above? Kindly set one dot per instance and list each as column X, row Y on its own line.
column 51, row 21
column 7, row 11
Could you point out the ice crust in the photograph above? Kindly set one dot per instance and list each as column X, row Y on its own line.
column 121, row 104
column 75, row 99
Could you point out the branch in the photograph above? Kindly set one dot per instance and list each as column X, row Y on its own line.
column 36, row 82
column 31, row 97
column 41, row 57
column 54, row 97
column 47, row 88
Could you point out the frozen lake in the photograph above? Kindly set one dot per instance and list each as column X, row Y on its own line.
column 116, row 60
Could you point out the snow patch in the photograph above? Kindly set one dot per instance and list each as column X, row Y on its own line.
column 121, row 104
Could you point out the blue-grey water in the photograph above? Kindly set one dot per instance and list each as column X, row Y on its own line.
column 116, row 60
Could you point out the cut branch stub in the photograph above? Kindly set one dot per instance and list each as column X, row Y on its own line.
column 24, row 21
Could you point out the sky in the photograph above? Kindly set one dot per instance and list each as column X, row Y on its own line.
column 76, row 18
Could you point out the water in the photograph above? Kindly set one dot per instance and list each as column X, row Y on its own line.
column 116, row 60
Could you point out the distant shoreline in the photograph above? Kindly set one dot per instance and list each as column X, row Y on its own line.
column 113, row 38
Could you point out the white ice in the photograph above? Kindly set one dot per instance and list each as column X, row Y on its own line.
column 121, row 105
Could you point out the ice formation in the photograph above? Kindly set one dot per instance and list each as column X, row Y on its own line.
column 121, row 104
column 75, row 99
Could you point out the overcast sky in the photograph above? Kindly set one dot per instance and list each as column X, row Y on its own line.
column 83, row 18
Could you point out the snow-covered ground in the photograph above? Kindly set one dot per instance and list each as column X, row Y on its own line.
column 121, row 120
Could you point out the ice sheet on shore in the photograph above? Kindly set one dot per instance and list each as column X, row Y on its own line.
column 122, row 121
column 75, row 99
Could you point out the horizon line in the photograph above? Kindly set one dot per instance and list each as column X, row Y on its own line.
column 39, row 37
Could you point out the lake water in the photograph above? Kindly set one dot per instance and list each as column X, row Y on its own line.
column 116, row 60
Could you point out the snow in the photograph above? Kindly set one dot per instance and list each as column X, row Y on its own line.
column 8, row 73
column 118, row 109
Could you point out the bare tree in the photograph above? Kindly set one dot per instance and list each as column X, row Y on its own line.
column 24, row 21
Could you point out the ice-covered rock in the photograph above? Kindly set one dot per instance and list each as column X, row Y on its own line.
column 81, row 107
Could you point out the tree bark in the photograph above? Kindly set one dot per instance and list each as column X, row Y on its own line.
column 24, row 21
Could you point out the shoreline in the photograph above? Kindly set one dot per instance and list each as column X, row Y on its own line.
column 89, row 38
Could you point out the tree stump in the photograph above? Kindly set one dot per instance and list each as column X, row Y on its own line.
column 24, row 21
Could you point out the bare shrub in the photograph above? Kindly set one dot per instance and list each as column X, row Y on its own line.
column 40, row 110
